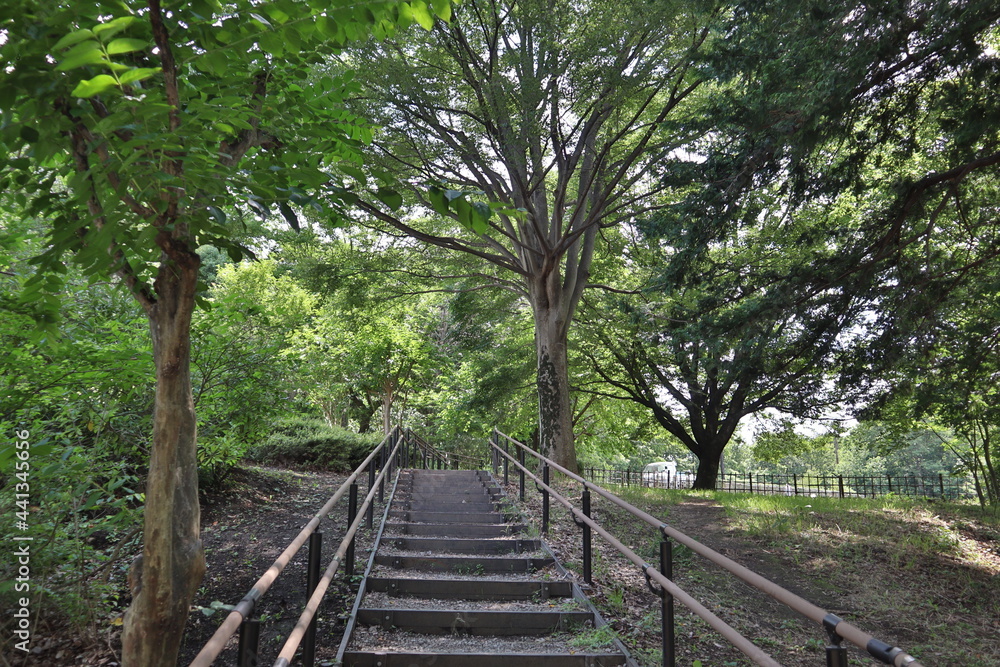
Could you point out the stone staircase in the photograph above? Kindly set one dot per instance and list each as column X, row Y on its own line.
column 454, row 582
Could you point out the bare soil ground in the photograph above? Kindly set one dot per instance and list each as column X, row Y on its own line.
column 927, row 579
column 244, row 528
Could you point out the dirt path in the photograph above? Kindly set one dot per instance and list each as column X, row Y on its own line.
column 245, row 531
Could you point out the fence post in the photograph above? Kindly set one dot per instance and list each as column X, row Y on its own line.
column 312, row 580
column 795, row 483
column 667, row 603
column 840, row 484
column 750, row 481
column 587, row 554
column 545, row 500
column 889, row 477
column 249, row 641
column 941, row 483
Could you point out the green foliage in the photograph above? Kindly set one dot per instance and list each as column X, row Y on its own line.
column 83, row 508
column 312, row 442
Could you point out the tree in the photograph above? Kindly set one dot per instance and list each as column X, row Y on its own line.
column 556, row 113
column 947, row 383
column 843, row 190
column 127, row 128
column 703, row 356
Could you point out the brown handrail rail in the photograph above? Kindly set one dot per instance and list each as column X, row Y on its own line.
column 211, row 650
column 876, row 648
column 312, row 605
column 727, row 631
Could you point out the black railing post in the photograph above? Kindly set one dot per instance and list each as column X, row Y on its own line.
column 383, row 461
column 370, row 512
column 795, row 483
column 352, row 514
column 667, row 603
column 520, row 470
column 836, row 654
column 840, row 485
column 750, row 481
column 312, row 580
column 506, row 464
column 587, row 555
column 545, row 500
column 249, row 642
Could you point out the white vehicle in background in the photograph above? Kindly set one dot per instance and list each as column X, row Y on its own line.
column 661, row 473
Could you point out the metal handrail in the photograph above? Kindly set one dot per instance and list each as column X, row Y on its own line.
column 298, row 633
column 215, row 645
column 836, row 627
column 441, row 455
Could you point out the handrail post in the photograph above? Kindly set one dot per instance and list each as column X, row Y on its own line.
column 520, row 470
column 383, row 459
column 312, row 580
column 352, row 514
column 587, row 550
column 836, row 653
column 370, row 512
column 545, row 500
column 667, row 604
column 249, row 641
column 506, row 466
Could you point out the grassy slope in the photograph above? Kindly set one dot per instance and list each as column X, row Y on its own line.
column 922, row 576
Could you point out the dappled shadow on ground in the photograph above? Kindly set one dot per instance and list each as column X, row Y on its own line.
column 918, row 577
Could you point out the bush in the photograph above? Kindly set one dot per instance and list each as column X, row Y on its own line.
column 311, row 442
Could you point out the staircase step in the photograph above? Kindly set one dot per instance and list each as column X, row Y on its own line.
column 457, row 530
column 463, row 565
column 475, row 622
column 362, row 659
column 457, row 545
column 446, row 517
column 471, row 589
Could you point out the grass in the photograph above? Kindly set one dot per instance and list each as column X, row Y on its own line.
column 921, row 575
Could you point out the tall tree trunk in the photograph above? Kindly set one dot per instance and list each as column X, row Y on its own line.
column 555, row 415
column 708, row 469
column 167, row 575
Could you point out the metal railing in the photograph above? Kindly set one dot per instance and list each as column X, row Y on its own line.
column 659, row 580
column 834, row 486
column 401, row 448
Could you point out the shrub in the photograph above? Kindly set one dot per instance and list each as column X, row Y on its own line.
column 311, row 442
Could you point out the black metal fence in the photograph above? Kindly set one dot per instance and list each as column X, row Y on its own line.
column 840, row 486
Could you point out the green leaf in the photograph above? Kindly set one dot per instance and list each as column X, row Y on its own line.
column 390, row 198
column 438, row 201
column 422, row 15
column 443, row 9
column 126, row 45
column 356, row 174
column 261, row 19
column 271, row 42
column 113, row 27
column 217, row 215
column 29, row 134
column 95, row 86
column 83, row 58
column 73, row 38
column 138, row 74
